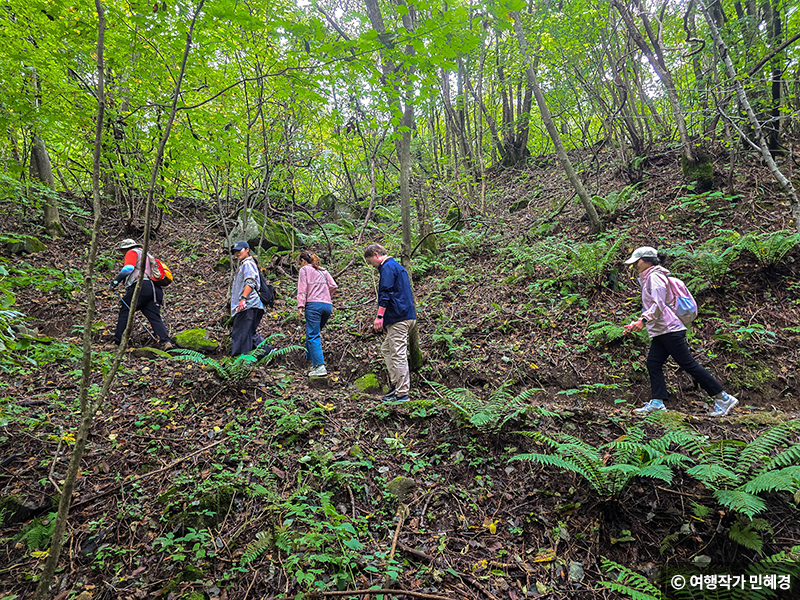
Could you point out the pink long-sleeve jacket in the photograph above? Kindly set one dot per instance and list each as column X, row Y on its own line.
column 314, row 285
column 656, row 294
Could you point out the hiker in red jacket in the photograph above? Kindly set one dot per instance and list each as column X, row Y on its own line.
column 150, row 297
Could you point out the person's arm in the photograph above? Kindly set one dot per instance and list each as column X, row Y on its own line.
column 332, row 286
column 654, row 296
column 251, row 276
column 384, row 295
column 302, row 291
column 131, row 258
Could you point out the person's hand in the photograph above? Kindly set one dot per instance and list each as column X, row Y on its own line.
column 377, row 325
column 300, row 311
column 634, row 326
column 241, row 305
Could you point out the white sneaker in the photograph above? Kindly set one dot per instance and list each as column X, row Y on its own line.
column 318, row 371
column 723, row 403
column 651, row 406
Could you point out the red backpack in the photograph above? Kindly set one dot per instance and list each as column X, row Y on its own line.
column 160, row 274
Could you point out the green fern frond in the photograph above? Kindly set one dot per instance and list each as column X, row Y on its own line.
column 628, row 582
column 255, row 548
column 662, row 472
column 283, row 541
column 765, row 444
column 740, row 501
column 783, row 480
column 549, row 460
column 194, row 356
column 770, row 247
column 747, row 534
column 38, row 532
column 711, row 474
column 672, row 460
column 790, row 456
column 668, row 542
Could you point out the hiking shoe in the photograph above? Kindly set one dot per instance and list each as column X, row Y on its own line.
column 167, row 346
column 391, row 395
column 651, row 406
column 318, row 371
column 401, row 399
column 723, row 403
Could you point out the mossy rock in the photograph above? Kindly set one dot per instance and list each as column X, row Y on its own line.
column 519, row 205
column 400, row 486
column 195, row 339
column 22, row 244
column 752, row 376
column 760, row 420
column 15, row 508
column 210, row 509
column 453, row 218
column 368, row 384
column 701, row 170
column 326, row 202
column 278, row 234
column 223, row 264
column 192, row 573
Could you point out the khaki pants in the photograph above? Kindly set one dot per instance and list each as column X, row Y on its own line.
column 395, row 354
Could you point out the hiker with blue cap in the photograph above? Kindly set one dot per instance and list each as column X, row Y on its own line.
column 246, row 306
column 667, row 334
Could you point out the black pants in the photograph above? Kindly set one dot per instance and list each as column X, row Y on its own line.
column 674, row 345
column 149, row 303
column 243, row 333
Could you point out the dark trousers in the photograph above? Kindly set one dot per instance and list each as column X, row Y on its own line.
column 149, row 303
column 243, row 333
column 674, row 345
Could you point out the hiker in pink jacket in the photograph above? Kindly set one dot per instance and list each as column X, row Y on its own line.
column 314, row 288
column 667, row 336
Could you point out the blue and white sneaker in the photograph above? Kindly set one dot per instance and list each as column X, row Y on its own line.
column 723, row 403
column 651, row 406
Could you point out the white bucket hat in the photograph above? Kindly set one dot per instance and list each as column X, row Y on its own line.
column 127, row 244
column 643, row 252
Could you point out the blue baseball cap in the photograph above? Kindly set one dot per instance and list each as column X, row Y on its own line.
column 241, row 245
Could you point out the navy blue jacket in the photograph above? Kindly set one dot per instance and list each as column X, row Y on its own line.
column 394, row 292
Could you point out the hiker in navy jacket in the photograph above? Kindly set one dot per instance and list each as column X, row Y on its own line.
column 397, row 315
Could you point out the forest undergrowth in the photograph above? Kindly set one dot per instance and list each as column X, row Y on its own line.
column 518, row 470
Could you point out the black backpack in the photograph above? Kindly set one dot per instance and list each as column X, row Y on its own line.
column 266, row 291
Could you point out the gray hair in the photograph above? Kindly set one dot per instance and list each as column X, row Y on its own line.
column 375, row 250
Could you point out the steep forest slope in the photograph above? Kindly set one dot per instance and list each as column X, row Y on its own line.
column 518, row 470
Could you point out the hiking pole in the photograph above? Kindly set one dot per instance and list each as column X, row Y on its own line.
column 134, row 314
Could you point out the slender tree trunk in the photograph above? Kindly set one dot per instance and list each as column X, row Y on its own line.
column 761, row 145
column 89, row 409
column 42, row 170
column 655, row 57
column 547, row 119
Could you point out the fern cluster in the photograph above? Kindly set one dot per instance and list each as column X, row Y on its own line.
column 604, row 332
column 628, row 582
column 233, row 369
column 770, row 247
column 38, row 532
column 490, row 415
column 616, row 200
column 610, row 467
column 738, row 472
